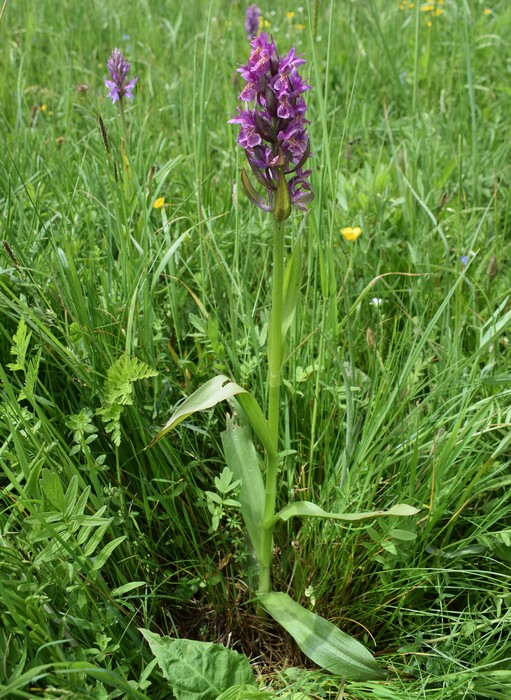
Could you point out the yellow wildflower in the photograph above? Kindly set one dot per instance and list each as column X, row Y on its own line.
column 300, row 27
column 159, row 203
column 290, row 16
column 44, row 108
column 351, row 234
column 428, row 7
column 487, row 11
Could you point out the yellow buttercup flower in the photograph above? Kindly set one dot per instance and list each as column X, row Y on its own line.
column 487, row 11
column 159, row 203
column 44, row 108
column 351, row 234
column 290, row 15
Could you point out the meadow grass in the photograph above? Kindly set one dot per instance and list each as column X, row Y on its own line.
column 396, row 387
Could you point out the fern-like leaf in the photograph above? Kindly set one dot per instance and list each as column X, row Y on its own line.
column 19, row 349
column 118, row 391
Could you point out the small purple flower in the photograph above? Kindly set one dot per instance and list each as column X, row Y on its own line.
column 252, row 21
column 118, row 86
column 464, row 260
column 273, row 133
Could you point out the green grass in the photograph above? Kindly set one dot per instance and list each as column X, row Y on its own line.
column 408, row 401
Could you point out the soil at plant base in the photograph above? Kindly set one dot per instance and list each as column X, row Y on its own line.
column 268, row 646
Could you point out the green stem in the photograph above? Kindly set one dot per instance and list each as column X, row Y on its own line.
column 275, row 334
column 274, row 366
column 123, row 120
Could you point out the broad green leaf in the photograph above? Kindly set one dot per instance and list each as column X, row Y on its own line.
column 208, row 395
column 199, row 670
column 311, row 510
column 52, row 489
column 241, row 458
column 321, row 641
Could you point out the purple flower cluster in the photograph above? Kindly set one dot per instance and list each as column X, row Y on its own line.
column 252, row 21
column 118, row 86
column 273, row 132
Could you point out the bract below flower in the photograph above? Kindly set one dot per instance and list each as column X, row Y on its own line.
column 351, row 234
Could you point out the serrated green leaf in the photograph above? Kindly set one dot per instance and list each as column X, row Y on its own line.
column 21, row 340
column 311, row 510
column 31, row 375
column 198, row 670
column 321, row 641
column 118, row 391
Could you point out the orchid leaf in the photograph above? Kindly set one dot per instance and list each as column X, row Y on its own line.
column 208, row 395
column 241, row 458
column 258, row 422
column 322, row 641
column 311, row 510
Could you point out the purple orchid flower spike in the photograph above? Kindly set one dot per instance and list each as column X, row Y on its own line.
column 118, row 86
column 252, row 21
column 273, row 133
